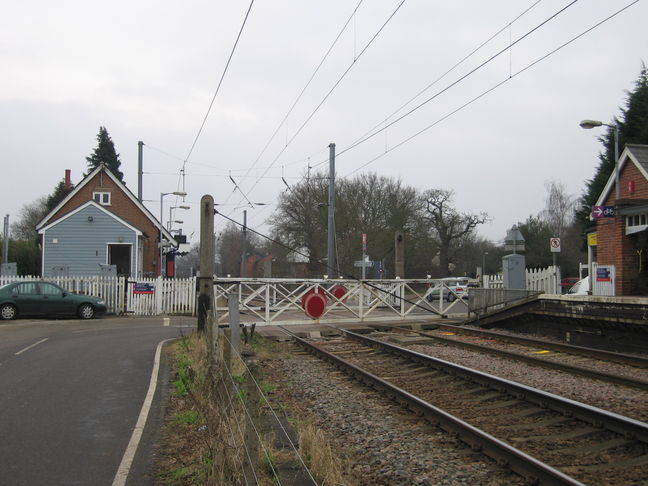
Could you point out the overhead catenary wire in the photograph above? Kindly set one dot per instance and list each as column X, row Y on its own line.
column 332, row 89
column 375, row 131
column 220, row 83
column 459, row 80
column 303, row 90
column 481, row 95
column 494, row 87
column 446, row 73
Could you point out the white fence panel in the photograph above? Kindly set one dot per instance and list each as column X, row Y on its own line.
column 604, row 277
column 156, row 296
column 546, row 280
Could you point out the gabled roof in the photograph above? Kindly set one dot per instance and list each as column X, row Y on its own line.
column 119, row 184
column 634, row 153
column 81, row 208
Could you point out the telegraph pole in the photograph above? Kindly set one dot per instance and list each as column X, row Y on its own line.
column 206, row 279
column 331, row 264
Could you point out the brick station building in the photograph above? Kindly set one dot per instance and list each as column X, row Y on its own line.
column 622, row 240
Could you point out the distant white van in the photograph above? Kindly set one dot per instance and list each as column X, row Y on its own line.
column 582, row 287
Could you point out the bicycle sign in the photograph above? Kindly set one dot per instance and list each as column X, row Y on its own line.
column 602, row 212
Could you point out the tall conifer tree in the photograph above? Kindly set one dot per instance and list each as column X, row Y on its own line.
column 633, row 128
column 105, row 152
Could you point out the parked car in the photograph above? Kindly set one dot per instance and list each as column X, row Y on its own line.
column 582, row 287
column 38, row 298
column 458, row 286
column 567, row 283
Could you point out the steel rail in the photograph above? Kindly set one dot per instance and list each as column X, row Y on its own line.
column 573, row 369
column 621, row 358
column 628, row 427
column 537, row 472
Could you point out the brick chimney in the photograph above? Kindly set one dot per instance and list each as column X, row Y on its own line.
column 68, row 179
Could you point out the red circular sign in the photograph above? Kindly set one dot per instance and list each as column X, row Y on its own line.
column 315, row 305
column 339, row 291
column 305, row 296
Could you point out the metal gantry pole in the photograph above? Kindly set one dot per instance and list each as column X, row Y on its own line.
column 244, row 244
column 5, row 246
column 140, row 168
column 331, row 263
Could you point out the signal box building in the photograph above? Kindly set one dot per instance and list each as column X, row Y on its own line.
column 101, row 224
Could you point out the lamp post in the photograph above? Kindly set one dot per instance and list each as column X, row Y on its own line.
column 162, row 194
column 182, row 206
column 589, row 124
column 484, row 267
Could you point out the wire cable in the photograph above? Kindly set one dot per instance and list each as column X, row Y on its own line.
column 220, row 82
column 462, row 78
column 442, row 76
column 274, row 414
column 494, row 87
column 310, row 80
column 337, row 83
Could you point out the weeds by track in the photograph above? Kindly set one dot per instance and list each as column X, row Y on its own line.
column 548, row 439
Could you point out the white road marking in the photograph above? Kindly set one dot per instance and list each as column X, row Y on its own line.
column 131, row 449
column 30, row 346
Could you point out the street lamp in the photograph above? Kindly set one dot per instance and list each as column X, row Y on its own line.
column 182, row 206
column 162, row 194
column 589, row 124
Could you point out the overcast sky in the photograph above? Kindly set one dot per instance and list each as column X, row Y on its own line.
column 148, row 70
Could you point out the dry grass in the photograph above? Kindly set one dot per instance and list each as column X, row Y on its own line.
column 321, row 459
column 208, row 435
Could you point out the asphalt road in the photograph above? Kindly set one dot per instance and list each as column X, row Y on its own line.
column 70, row 395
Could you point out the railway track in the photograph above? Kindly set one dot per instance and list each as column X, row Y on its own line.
column 543, row 437
column 554, row 355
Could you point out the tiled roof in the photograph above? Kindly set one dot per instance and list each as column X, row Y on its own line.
column 640, row 153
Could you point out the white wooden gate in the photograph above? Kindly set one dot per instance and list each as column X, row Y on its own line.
column 156, row 296
column 603, row 281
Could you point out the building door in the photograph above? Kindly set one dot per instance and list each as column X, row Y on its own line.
column 120, row 255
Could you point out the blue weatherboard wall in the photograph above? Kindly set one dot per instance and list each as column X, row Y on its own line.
column 82, row 244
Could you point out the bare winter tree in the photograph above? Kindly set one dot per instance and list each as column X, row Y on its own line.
column 449, row 226
column 560, row 208
column 29, row 216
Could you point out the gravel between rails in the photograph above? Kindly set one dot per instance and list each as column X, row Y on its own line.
column 615, row 398
column 386, row 444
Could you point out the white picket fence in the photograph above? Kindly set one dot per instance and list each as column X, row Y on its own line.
column 545, row 280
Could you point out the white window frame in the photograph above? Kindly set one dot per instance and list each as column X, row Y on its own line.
column 635, row 223
column 104, row 197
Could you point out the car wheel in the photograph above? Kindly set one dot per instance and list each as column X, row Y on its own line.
column 8, row 312
column 86, row 311
column 451, row 297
